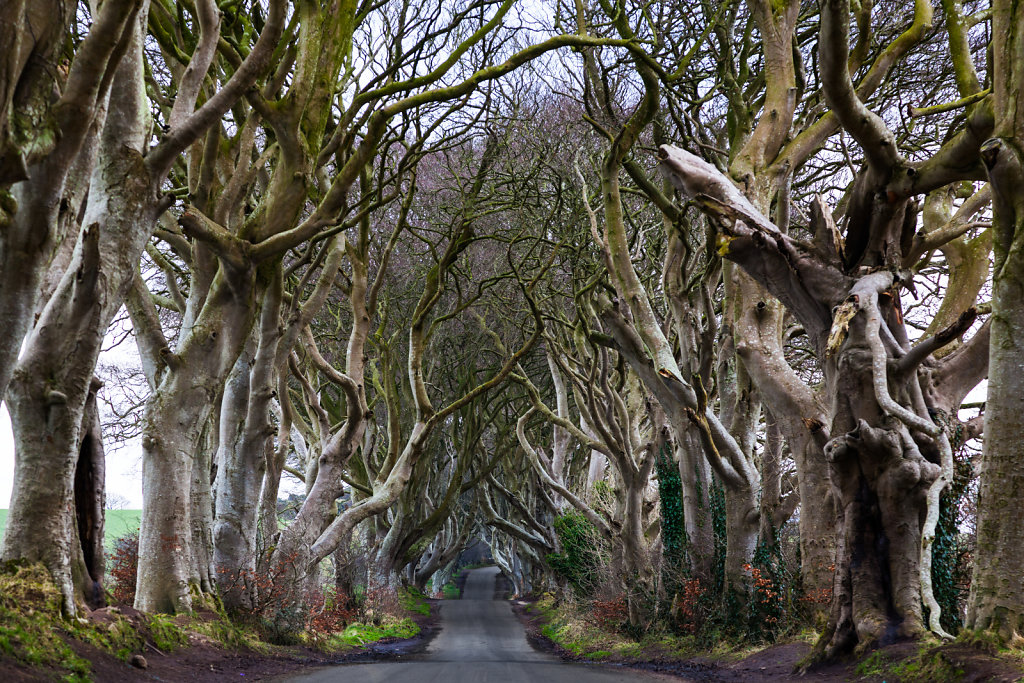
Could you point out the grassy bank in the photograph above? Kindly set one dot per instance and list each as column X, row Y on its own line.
column 577, row 631
column 587, row 634
column 118, row 643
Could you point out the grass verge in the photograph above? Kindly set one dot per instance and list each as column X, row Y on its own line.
column 37, row 640
column 29, row 608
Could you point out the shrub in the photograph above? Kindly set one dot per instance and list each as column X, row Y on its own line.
column 687, row 607
column 269, row 593
column 610, row 614
column 580, row 561
column 124, row 567
column 327, row 613
column 766, row 606
column 379, row 602
column 271, row 604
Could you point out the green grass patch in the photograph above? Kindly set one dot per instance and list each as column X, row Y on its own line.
column 413, row 600
column 167, row 635
column 875, row 664
column 359, row 634
column 571, row 626
column 120, row 637
column 227, row 634
column 478, row 565
column 451, row 592
column 930, row 667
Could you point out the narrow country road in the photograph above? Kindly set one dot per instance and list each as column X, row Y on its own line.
column 480, row 640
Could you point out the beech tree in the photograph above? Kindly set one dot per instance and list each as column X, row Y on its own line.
column 888, row 456
column 997, row 589
column 124, row 178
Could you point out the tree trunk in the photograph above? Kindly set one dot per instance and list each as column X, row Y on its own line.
column 201, row 493
column 46, row 425
column 638, row 578
column 880, row 479
column 51, row 383
column 238, row 476
column 741, row 412
column 175, row 419
column 884, row 445
column 58, row 519
column 997, row 586
column 246, row 444
column 47, row 149
column 442, row 577
column 800, row 419
column 695, row 477
column 741, row 529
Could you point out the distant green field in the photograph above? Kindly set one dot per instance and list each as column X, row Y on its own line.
column 119, row 522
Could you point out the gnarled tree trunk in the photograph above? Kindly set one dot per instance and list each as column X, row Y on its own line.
column 51, row 382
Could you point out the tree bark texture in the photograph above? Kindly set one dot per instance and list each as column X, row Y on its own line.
column 176, row 416
column 88, row 565
column 997, row 585
column 46, row 140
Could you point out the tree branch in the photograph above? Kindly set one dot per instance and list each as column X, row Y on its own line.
column 926, row 347
column 208, row 17
column 160, row 159
column 864, row 125
column 794, row 273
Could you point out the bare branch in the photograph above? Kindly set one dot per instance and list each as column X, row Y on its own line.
column 867, row 128
column 192, row 80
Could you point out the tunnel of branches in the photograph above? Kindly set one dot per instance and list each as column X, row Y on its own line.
column 704, row 310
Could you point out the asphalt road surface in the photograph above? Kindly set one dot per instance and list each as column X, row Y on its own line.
column 480, row 641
